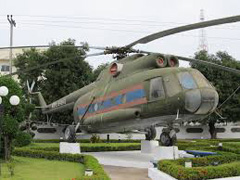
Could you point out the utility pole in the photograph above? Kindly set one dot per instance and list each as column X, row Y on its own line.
column 12, row 23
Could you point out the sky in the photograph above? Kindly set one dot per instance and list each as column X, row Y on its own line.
column 120, row 22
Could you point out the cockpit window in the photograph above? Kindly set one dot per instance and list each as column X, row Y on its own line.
column 200, row 79
column 186, row 80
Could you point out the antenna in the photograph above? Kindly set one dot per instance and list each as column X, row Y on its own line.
column 203, row 45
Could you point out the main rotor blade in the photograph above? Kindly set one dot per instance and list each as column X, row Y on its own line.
column 232, row 70
column 189, row 27
column 53, row 62
column 46, row 46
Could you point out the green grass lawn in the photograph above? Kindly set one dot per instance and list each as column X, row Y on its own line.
column 41, row 169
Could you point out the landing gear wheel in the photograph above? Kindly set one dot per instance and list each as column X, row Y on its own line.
column 165, row 139
column 70, row 134
column 151, row 133
column 168, row 138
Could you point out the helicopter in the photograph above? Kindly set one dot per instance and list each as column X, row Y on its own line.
column 140, row 91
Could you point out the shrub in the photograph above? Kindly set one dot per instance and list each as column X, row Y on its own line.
column 203, row 168
column 89, row 147
column 22, row 139
column 88, row 141
column 95, row 138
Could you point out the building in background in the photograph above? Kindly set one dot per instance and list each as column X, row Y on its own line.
column 5, row 62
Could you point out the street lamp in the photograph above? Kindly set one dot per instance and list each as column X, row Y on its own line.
column 14, row 100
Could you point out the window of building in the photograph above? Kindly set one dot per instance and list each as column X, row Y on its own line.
column 46, row 130
column 194, row 130
column 220, row 130
column 5, row 68
column 235, row 130
column 156, row 89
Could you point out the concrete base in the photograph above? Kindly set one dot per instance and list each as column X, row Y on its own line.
column 71, row 148
column 163, row 152
column 148, row 146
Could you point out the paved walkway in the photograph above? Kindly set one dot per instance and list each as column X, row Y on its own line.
column 126, row 173
column 125, row 165
column 124, row 158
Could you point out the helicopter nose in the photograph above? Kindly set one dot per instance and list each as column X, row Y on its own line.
column 201, row 101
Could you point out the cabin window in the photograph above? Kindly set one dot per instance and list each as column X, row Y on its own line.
column 156, row 89
column 186, row 80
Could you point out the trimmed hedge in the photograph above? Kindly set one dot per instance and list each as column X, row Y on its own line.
column 88, row 141
column 209, row 167
column 89, row 147
column 89, row 161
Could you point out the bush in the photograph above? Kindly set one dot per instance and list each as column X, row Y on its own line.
column 89, row 161
column 88, row 147
column 203, row 168
column 88, row 141
column 95, row 138
column 22, row 139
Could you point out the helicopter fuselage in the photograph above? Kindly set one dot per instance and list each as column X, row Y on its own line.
column 139, row 96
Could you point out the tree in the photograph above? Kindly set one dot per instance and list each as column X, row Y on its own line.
column 225, row 82
column 11, row 116
column 56, row 80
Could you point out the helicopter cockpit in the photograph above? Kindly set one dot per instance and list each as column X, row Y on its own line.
column 200, row 96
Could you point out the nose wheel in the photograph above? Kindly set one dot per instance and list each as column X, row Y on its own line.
column 150, row 133
column 168, row 138
column 70, row 134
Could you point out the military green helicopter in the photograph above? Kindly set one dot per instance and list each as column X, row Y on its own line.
column 140, row 91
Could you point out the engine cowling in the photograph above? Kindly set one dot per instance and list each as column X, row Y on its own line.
column 172, row 61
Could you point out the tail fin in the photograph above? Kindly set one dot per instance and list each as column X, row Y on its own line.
column 42, row 102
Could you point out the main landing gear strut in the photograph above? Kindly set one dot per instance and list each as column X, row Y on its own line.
column 168, row 137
